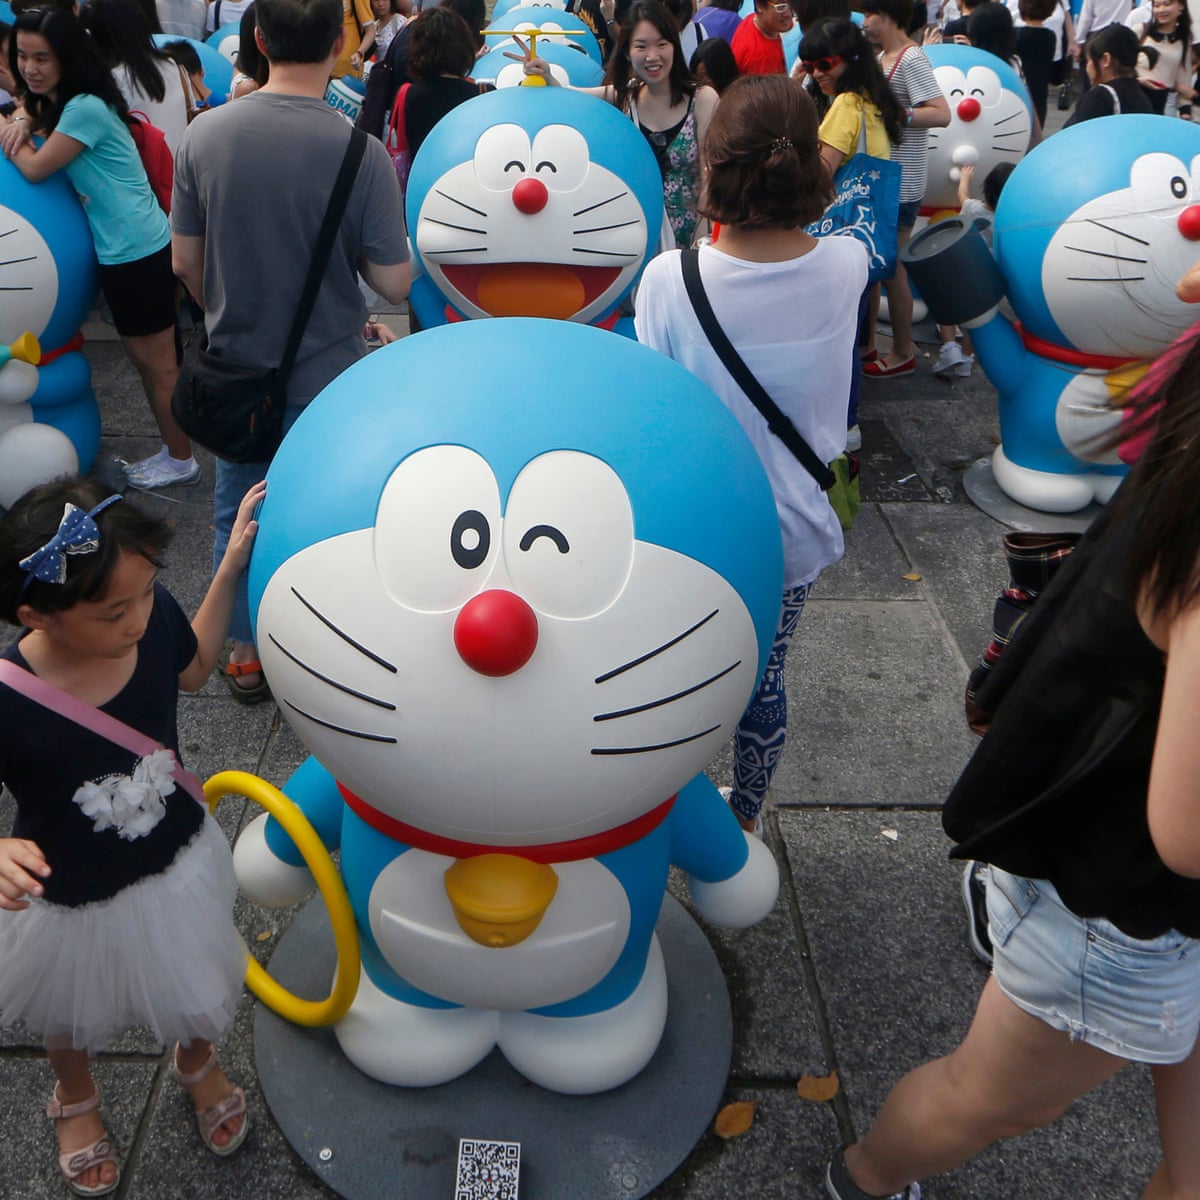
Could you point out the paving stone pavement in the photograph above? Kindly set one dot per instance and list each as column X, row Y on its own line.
column 863, row 967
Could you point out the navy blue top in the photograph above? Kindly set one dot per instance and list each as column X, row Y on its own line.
column 51, row 756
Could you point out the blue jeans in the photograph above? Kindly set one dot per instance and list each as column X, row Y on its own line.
column 233, row 481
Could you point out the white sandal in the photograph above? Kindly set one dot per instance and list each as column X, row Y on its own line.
column 209, row 1120
column 74, row 1163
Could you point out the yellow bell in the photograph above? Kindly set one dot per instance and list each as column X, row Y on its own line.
column 499, row 899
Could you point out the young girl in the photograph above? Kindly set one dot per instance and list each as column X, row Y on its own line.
column 764, row 183
column 1165, row 64
column 648, row 78
column 117, row 887
column 74, row 103
column 377, row 37
column 1084, row 798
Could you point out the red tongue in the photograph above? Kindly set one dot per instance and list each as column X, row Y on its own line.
column 530, row 289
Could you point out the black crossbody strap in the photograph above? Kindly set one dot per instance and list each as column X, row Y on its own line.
column 777, row 420
column 334, row 211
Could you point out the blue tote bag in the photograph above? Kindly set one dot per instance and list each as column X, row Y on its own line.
column 866, row 205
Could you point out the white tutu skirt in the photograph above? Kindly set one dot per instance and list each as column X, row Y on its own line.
column 162, row 953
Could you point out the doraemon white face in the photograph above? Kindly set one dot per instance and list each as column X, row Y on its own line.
column 989, row 124
column 531, row 227
column 1109, row 273
column 29, row 284
column 616, row 685
column 548, row 31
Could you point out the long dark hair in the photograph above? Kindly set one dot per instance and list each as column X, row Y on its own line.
column 81, row 69
column 620, row 74
column 844, row 40
column 122, row 35
column 1164, row 560
column 1181, row 33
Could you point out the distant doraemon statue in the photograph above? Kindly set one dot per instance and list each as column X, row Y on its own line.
column 48, row 280
column 569, row 65
column 553, row 24
column 538, row 202
column 991, row 120
column 1092, row 231
column 512, row 622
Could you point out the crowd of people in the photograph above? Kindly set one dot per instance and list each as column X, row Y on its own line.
column 748, row 150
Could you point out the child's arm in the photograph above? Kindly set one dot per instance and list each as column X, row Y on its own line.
column 211, row 623
column 20, row 862
column 965, row 175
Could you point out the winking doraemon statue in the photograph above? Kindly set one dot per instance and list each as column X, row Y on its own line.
column 512, row 623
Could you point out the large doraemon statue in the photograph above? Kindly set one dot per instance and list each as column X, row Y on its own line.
column 522, row 606
column 1092, row 231
column 991, row 120
column 48, row 279
column 568, row 64
column 531, row 202
column 553, row 25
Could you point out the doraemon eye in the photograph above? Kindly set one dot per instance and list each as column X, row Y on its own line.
column 502, row 157
column 984, row 85
column 437, row 528
column 568, row 534
column 560, row 157
column 1160, row 181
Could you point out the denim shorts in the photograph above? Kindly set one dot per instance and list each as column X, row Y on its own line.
column 1133, row 998
column 909, row 211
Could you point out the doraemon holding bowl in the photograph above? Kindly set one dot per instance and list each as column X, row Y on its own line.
column 519, row 608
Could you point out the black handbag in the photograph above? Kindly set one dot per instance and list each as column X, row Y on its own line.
column 236, row 409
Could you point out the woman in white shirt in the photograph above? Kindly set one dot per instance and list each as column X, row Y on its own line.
column 789, row 304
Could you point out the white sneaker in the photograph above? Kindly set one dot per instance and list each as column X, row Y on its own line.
column 161, row 470
column 949, row 357
column 963, row 368
column 853, row 438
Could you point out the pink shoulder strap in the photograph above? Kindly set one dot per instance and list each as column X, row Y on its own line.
column 90, row 717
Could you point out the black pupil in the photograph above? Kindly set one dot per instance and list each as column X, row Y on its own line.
column 470, row 551
column 1178, row 187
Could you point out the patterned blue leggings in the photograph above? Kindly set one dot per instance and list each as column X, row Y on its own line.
column 759, row 739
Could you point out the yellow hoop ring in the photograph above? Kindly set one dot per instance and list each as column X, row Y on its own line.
column 345, row 934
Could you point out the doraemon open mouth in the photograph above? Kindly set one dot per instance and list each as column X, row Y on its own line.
column 530, row 289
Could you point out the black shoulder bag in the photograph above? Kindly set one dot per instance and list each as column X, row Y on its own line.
column 236, row 409
column 840, row 480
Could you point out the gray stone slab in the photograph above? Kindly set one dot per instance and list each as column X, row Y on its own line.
column 875, row 709
column 873, row 567
column 379, row 1139
column 984, row 492
column 899, row 981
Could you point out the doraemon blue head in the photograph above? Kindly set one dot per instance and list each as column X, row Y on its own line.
column 1095, row 228
column 592, row 484
column 532, row 202
column 225, row 40
column 569, row 65
column 504, row 7
column 555, row 26
column 991, row 120
column 218, row 70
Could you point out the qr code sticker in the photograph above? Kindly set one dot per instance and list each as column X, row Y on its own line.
column 487, row 1170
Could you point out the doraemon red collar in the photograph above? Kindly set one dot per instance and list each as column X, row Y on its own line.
column 1068, row 355
column 551, row 852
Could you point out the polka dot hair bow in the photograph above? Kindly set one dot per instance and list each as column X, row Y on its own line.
column 77, row 533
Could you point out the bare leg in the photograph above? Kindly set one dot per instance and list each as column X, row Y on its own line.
column 867, row 334
column 1177, row 1098
column 900, row 309
column 1012, row 1073
column 154, row 357
column 210, row 1090
column 73, row 1072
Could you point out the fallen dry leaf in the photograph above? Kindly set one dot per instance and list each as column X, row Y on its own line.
column 892, row 835
column 818, row 1087
column 265, row 936
column 913, row 577
column 735, row 1119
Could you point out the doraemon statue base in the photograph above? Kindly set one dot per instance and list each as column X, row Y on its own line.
column 49, row 280
column 1093, row 229
column 512, row 621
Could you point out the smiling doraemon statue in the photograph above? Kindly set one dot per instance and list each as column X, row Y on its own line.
column 537, row 202
column 512, row 621
column 48, row 279
column 991, row 120
column 1092, row 231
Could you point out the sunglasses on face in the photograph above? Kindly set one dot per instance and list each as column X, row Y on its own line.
column 782, row 8
column 824, row 65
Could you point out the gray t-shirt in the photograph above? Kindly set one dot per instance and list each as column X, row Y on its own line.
column 253, row 179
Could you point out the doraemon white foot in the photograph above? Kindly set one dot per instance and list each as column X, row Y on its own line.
column 1045, row 491
column 592, row 1053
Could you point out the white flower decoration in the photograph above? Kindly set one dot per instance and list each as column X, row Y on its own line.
column 130, row 804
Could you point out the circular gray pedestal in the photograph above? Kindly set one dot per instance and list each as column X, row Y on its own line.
column 984, row 492
column 388, row 1142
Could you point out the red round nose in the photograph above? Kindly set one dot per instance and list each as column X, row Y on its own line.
column 969, row 109
column 530, row 196
column 1189, row 222
column 495, row 633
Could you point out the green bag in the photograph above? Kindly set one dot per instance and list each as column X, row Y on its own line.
column 845, row 496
